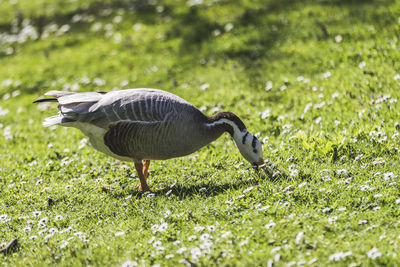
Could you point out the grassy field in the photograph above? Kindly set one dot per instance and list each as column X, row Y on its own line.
column 318, row 81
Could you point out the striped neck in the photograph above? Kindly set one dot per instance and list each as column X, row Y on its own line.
column 248, row 145
column 230, row 123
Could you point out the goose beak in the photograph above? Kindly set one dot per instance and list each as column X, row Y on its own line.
column 260, row 164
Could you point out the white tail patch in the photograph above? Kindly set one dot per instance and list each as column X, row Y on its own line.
column 53, row 120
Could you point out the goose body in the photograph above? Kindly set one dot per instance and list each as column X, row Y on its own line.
column 140, row 125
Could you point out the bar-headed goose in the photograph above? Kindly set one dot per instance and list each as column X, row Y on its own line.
column 140, row 125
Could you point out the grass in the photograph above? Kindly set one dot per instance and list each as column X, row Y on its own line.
column 318, row 81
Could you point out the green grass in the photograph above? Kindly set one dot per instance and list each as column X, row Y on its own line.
column 316, row 80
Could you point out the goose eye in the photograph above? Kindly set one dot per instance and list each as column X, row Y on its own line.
column 255, row 151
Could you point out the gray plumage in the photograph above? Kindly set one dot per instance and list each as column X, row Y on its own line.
column 136, row 124
column 147, row 124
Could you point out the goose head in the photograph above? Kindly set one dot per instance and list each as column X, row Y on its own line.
column 250, row 148
column 248, row 145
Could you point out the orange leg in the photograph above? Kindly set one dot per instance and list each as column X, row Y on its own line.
column 143, row 184
column 146, row 165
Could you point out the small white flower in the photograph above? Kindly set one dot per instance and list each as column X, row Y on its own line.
column 119, row 234
column 53, row 230
column 192, row 237
column 263, row 208
column 268, row 86
column 389, row 175
column 294, row 173
column 299, row 237
column 374, row 253
column 177, row 242
column 64, row 244
column 48, row 236
column 117, row 19
column 326, row 74
column 129, row 263
column 275, row 250
column 181, row 250
column 338, row 38
column 244, row 242
column 44, row 220
column 228, row 27
column 341, row 171
column 196, row 252
column 163, row 227
column 378, row 161
column 327, row 209
column 66, row 230
column 207, row 244
column 204, row 86
column 248, row 189
column 3, row 217
column 205, row 236
column 211, row 228
column 332, row 219
column 158, row 245
column 167, row 212
column 366, row 188
column 99, row 81
column 302, row 184
column 270, row 225
column 199, row 228
column 41, row 232
column 33, row 237
column 216, row 32
column 226, row 234
column 80, row 235
column 58, row 218
column 154, row 228
column 339, row 255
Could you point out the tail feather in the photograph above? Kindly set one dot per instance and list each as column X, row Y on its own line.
column 58, row 94
column 45, row 100
column 55, row 120
column 73, row 106
column 77, row 98
column 73, row 111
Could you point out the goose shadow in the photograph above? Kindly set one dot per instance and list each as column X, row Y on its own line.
column 207, row 189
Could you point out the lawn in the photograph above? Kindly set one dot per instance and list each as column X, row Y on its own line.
column 316, row 80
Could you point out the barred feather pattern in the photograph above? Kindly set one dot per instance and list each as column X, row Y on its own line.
column 136, row 124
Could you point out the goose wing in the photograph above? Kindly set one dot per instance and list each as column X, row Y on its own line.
column 136, row 123
column 138, row 105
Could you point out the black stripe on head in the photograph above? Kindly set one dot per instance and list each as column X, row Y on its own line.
column 253, row 143
column 229, row 116
column 244, row 138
